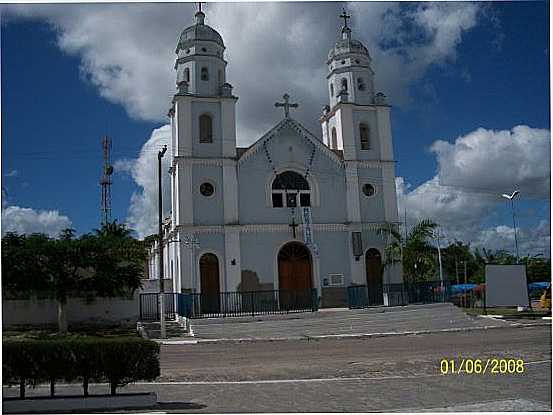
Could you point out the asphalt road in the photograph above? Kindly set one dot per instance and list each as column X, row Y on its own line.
column 378, row 374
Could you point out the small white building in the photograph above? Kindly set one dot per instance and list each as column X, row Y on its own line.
column 292, row 211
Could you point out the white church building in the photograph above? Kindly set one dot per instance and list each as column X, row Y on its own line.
column 292, row 211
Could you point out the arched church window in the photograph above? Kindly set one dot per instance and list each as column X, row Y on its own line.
column 206, row 129
column 360, row 84
column 204, row 74
column 220, row 75
column 334, row 144
column 364, row 136
column 187, row 74
column 331, row 90
column 344, row 84
column 287, row 187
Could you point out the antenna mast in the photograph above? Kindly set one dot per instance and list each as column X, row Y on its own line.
column 105, row 182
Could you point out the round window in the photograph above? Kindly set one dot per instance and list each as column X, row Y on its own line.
column 204, row 50
column 207, row 189
column 368, row 189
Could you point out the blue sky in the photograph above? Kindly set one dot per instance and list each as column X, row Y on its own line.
column 493, row 73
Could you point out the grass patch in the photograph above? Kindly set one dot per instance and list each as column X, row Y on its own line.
column 42, row 333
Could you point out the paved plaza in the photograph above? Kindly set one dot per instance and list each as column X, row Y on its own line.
column 399, row 373
column 342, row 322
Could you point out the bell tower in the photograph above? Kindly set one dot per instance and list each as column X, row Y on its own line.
column 350, row 76
column 356, row 123
column 203, row 171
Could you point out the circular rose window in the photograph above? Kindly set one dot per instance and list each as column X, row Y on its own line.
column 207, row 189
column 368, row 189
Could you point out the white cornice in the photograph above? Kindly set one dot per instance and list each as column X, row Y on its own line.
column 212, row 161
column 368, row 163
column 280, row 227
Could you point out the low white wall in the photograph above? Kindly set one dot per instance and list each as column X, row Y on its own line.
column 152, row 285
column 45, row 311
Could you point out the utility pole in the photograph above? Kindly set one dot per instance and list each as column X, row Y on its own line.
column 440, row 259
column 405, row 222
column 514, row 226
column 511, row 197
column 163, row 333
column 457, row 270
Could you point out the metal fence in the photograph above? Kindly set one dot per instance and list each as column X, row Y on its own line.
column 360, row 296
column 228, row 304
column 149, row 306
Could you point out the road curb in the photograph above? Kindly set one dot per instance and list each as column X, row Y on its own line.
column 346, row 336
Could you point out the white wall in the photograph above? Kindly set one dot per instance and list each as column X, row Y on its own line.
column 102, row 310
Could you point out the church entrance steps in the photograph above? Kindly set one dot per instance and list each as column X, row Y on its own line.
column 151, row 330
column 343, row 323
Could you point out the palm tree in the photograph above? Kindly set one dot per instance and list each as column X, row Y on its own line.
column 415, row 251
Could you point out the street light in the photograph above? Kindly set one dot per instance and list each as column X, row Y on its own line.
column 162, row 330
column 511, row 197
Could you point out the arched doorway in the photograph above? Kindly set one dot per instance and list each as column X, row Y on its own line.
column 209, row 283
column 373, row 266
column 294, row 274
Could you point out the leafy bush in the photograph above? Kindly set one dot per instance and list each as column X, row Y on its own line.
column 116, row 360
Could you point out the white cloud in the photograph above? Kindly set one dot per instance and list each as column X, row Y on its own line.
column 472, row 173
column 531, row 241
column 127, row 50
column 143, row 209
column 26, row 220
column 497, row 161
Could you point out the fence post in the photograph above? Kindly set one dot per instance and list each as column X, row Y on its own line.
column 253, row 307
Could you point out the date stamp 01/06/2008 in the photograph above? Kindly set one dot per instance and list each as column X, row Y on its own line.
column 481, row 366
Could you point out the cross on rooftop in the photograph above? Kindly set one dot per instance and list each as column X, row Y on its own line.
column 345, row 16
column 286, row 105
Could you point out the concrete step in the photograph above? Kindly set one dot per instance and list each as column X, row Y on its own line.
column 173, row 329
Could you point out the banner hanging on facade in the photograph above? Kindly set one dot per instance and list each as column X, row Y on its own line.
column 308, row 230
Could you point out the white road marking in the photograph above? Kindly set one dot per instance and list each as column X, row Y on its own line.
column 276, row 381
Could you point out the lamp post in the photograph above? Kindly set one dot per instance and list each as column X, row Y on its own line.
column 511, row 197
column 163, row 333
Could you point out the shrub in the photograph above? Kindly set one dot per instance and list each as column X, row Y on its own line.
column 116, row 360
column 141, row 361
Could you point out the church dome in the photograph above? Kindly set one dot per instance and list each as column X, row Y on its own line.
column 345, row 46
column 199, row 32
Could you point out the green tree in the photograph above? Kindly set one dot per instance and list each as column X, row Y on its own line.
column 455, row 257
column 108, row 262
column 415, row 252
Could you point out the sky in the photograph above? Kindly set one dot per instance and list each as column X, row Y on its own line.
column 468, row 82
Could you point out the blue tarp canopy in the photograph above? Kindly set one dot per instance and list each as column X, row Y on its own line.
column 539, row 285
column 462, row 288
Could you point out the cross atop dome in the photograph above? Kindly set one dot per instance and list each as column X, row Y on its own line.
column 344, row 16
column 200, row 15
column 346, row 31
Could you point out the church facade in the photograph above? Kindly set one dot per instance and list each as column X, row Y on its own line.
column 292, row 211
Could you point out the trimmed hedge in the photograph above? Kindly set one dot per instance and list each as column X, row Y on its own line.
column 115, row 360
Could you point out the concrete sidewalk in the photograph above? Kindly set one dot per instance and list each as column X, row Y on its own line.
column 340, row 323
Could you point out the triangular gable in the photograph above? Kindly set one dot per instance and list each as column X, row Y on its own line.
column 300, row 129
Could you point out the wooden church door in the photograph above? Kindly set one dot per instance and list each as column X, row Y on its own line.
column 294, row 274
column 209, row 280
column 373, row 264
